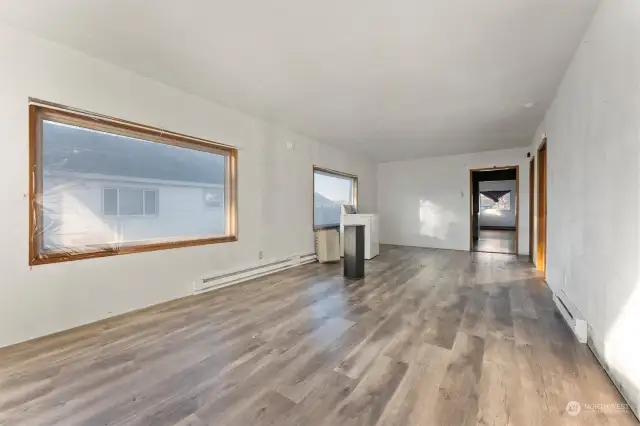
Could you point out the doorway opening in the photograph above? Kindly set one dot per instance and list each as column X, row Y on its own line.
column 541, row 240
column 494, row 210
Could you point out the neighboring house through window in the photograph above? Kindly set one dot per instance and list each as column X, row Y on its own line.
column 129, row 202
column 97, row 184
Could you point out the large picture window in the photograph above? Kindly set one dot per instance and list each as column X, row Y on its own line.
column 331, row 190
column 102, row 186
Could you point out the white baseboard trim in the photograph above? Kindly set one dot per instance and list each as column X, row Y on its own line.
column 227, row 278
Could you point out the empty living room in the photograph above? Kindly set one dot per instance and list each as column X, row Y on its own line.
column 376, row 213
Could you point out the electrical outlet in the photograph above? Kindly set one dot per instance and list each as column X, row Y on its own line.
column 260, row 254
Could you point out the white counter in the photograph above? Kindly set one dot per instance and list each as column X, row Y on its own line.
column 371, row 232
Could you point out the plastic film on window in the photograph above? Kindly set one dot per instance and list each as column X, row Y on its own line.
column 97, row 192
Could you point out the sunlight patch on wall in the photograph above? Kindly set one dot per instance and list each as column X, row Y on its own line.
column 622, row 347
column 491, row 212
column 434, row 220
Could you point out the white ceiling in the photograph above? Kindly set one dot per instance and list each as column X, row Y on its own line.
column 393, row 79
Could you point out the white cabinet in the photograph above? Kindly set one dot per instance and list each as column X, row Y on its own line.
column 327, row 245
column 371, row 233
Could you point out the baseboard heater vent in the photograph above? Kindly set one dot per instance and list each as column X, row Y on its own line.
column 233, row 277
column 572, row 316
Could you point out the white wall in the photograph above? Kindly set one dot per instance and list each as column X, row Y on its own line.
column 426, row 202
column 593, row 239
column 275, row 190
column 499, row 218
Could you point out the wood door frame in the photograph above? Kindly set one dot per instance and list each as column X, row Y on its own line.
column 493, row 169
column 541, row 221
column 532, row 201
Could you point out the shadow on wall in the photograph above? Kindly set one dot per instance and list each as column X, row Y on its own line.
column 434, row 220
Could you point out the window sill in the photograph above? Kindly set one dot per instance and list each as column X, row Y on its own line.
column 320, row 228
column 67, row 257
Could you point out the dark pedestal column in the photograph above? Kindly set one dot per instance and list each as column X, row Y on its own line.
column 354, row 251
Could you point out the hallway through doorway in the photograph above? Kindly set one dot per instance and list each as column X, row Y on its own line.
column 495, row 241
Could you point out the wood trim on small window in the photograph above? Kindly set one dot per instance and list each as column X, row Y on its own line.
column 41, row 110
column 313, row 198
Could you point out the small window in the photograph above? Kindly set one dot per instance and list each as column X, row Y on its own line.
column 129, row 202
column 110, row 202
column 150, row 203
column 331, row 190
column 97, row 181
column 495, row 200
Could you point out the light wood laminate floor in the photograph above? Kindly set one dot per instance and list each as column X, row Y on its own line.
column 429, row 337
column 495, row 241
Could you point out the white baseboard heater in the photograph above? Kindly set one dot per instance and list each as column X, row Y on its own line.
column 225, row 279
column 572, row 316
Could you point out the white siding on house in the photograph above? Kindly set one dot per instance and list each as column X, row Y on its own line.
column 75, row 206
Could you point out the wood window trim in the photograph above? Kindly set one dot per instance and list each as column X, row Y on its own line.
column 41, row 110
column 354, row 178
